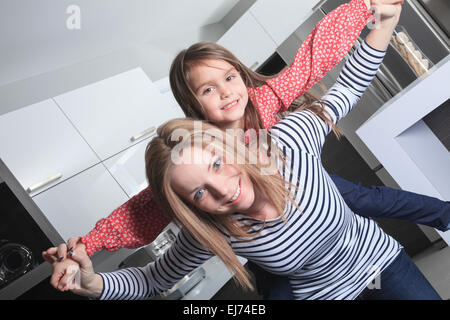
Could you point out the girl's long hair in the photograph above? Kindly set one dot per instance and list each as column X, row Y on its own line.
column 207, row 228
column 186, row 98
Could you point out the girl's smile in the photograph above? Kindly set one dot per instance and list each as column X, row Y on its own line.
column 230, row 106
column 221, row 91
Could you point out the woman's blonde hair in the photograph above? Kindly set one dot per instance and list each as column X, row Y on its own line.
column 208, row 229
column 197, row 53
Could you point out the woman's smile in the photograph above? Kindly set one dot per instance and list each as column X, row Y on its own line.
column 213, row 186
column 237, row 195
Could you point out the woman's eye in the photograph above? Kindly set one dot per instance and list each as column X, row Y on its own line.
column 217, row 163
column 230, row 77
column 198, row 194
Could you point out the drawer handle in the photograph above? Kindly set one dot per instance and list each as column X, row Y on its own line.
column 143, row 133
column 253, row 66
column 36, row 186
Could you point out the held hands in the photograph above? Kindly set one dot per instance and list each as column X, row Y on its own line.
column 74, row 273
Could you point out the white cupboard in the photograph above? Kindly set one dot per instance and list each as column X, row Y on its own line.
column 128, row 168
column 38, row 142
column 91, row 141
column 248, row 41
column 74, row 206
column 116, row 113
column 282, row 17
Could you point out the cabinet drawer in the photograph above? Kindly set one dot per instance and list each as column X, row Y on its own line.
column 38, row 142
column 110, row 112
column 74, row 206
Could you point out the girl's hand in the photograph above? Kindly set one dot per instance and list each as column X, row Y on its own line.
column 75, row 273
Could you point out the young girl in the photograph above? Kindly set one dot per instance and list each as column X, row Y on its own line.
column 210, row 83
column 293, row 222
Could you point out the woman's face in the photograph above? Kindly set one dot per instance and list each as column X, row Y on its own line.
column 210, row 184
column 221, row 91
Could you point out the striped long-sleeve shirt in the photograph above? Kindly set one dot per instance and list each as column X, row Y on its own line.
column 326, row 250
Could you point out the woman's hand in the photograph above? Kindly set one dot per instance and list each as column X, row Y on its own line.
column 74, row 273
column 387, row 15
column 387, row 11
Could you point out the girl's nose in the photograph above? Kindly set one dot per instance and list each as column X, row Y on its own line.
column 225, row 92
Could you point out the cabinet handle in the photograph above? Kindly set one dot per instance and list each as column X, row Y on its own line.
column 143, row 133
column 253, row 66
column 43, row 183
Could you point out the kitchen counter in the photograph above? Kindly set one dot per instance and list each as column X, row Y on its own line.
column 405, row 145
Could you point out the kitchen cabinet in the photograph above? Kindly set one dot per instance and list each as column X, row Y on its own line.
column 38, row 142
column 74, row 206
column 248, row 41
column 83, row 137
column 280, row 18
column 163, row 85
column 116, row 113
column 128, row 168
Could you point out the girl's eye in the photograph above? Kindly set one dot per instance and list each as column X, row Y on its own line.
column 208, row 90
column 198, row 194
column 231, row 77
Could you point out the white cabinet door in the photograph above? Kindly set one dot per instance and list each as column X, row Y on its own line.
column 74, row 206
column 248, row 41
column 282, row 17
column 109, row 113
column 128, row 168
column 37, row 142
column 163, row 86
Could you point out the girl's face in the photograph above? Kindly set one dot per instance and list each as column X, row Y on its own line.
column 210, row 184
column 221, row 91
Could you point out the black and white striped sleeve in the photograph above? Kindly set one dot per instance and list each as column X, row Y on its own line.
column 139, row 283
column 354, row 78
column 306, row 131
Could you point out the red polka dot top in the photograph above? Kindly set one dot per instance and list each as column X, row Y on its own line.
column 139, row 221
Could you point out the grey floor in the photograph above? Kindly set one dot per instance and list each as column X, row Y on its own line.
column 434, row 263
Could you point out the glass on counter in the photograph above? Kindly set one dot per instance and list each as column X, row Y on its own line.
column 410, row 52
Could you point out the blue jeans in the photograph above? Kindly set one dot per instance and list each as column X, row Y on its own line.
column 385, row 202
column 374, row 202
column 401, row 280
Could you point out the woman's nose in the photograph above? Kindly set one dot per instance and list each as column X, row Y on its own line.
column 218, row 187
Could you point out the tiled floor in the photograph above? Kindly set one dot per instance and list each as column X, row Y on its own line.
column 435, row 265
